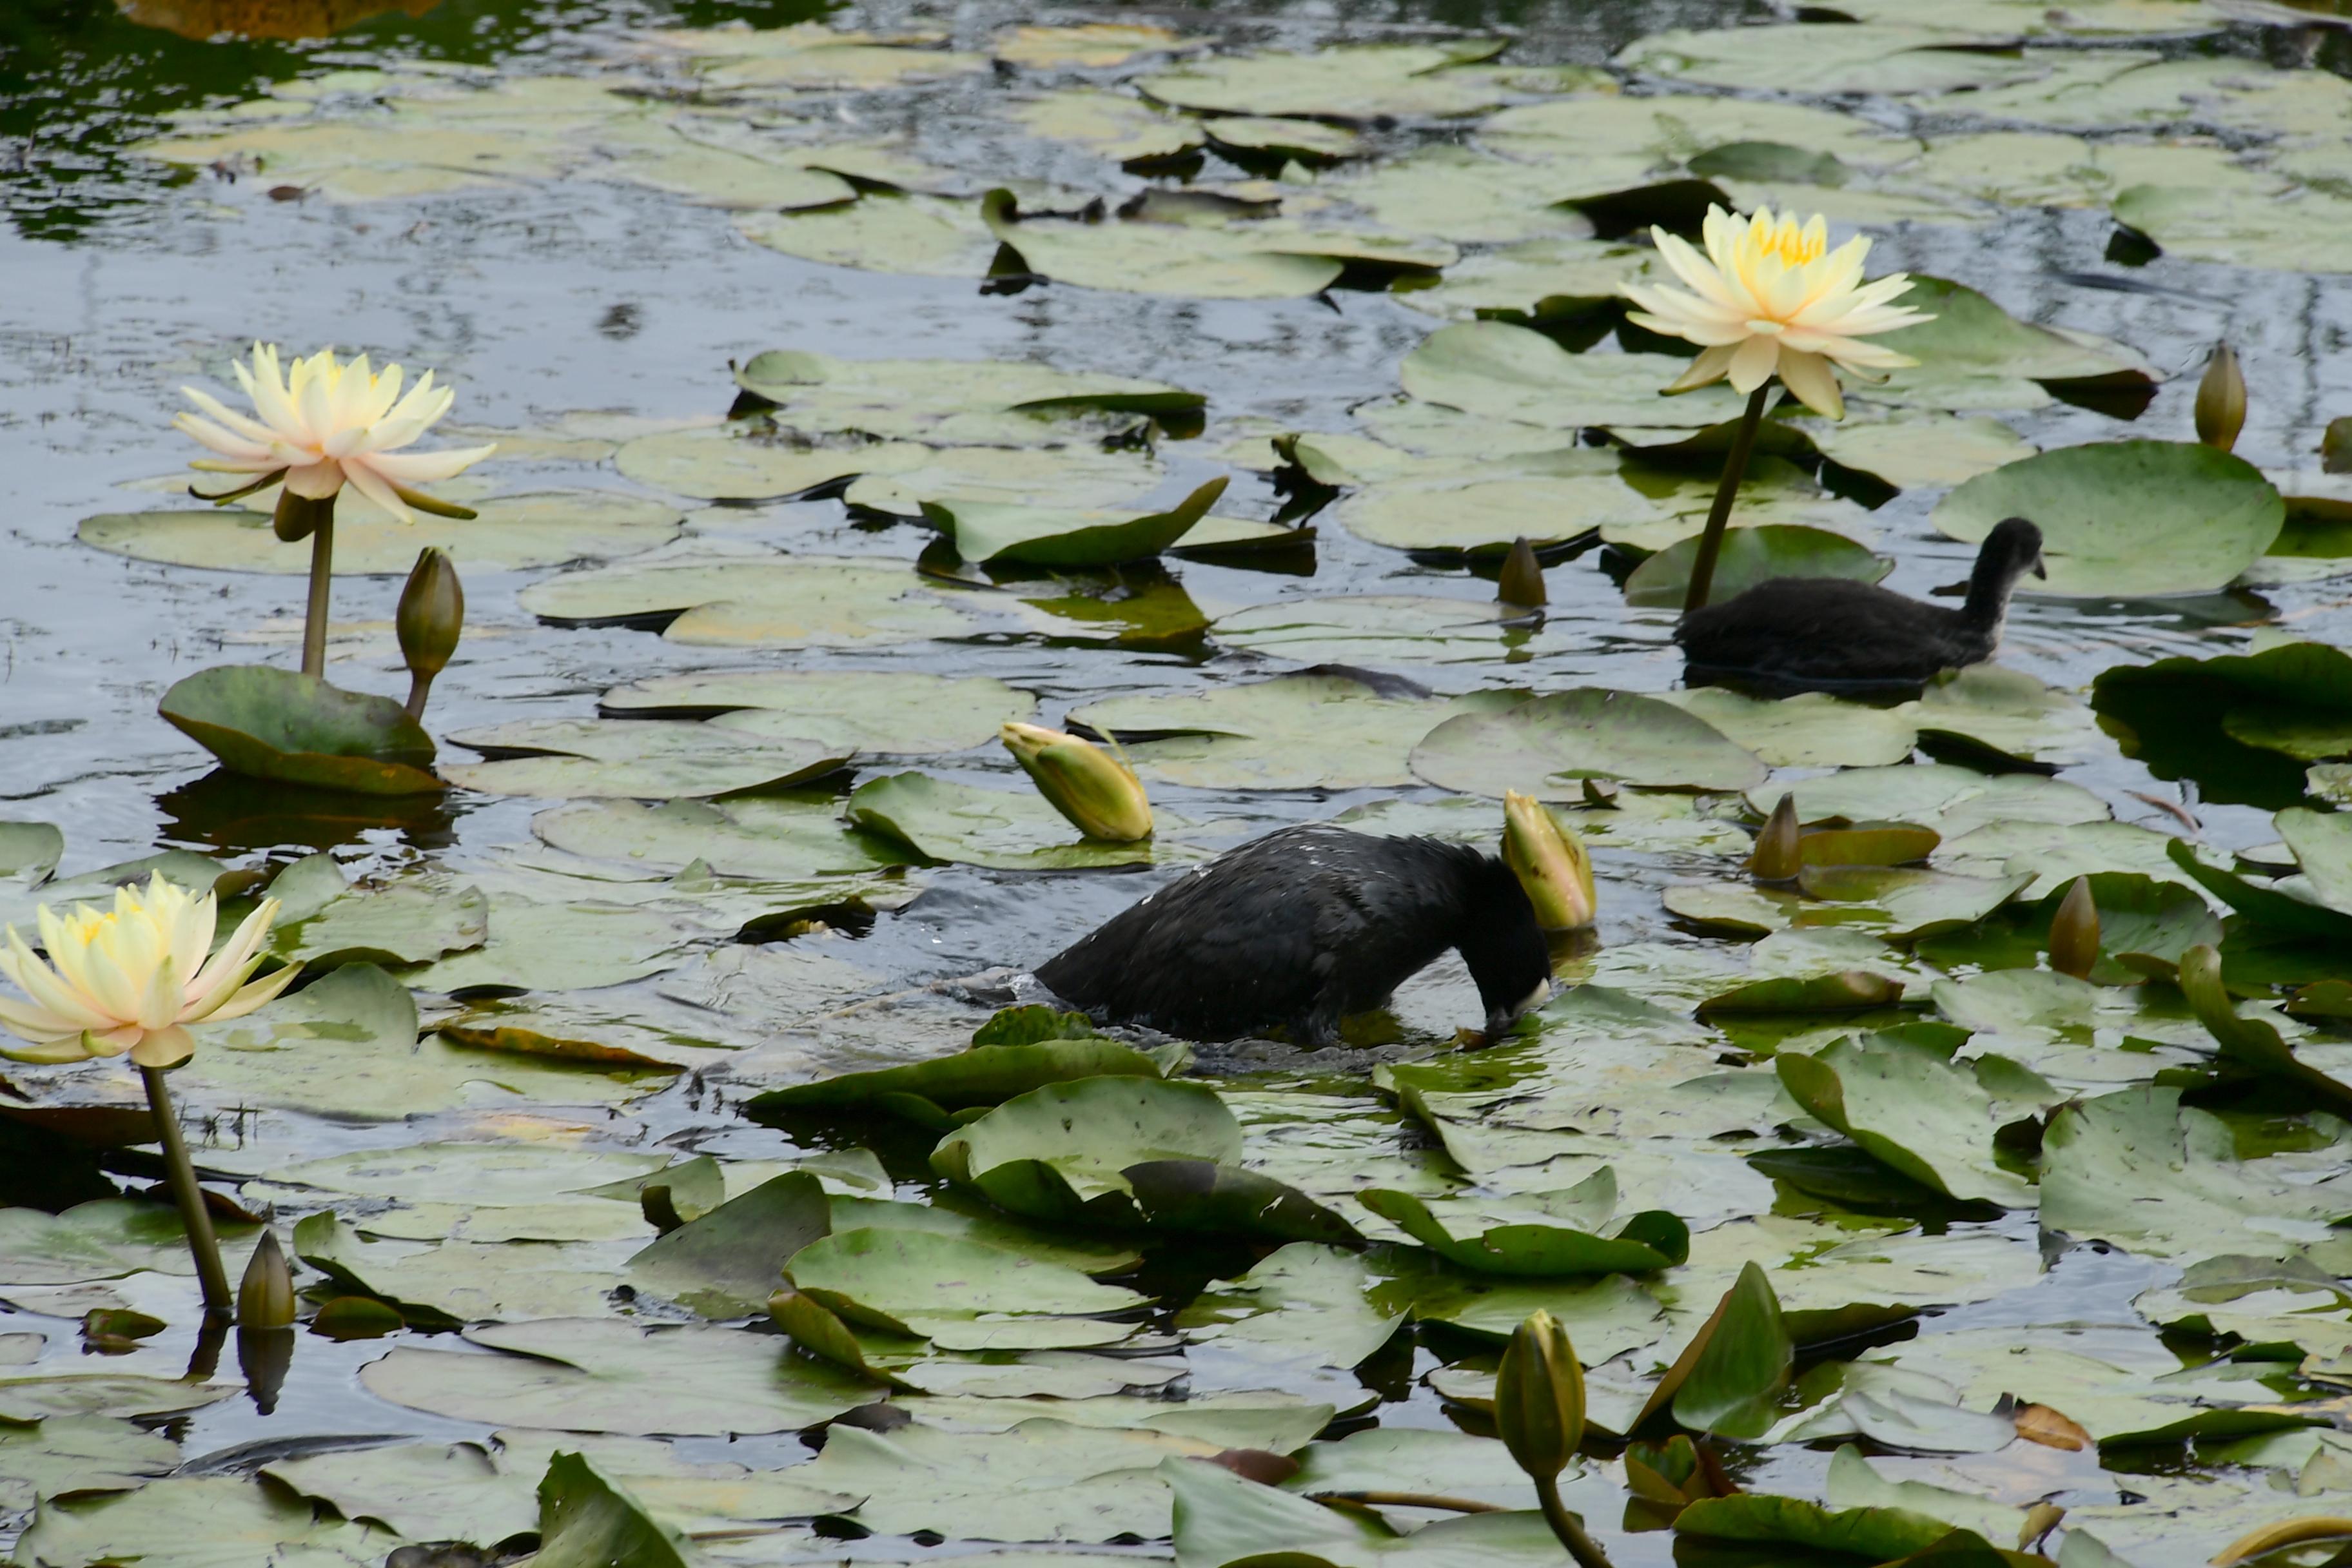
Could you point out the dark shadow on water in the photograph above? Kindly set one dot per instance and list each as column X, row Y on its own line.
column 229, row 813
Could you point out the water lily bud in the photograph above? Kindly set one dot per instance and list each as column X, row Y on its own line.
column 1778, row 856
column 432, row 616
column 1099, row 793
column 2074, row 931
column 1523, row 580
column 2221, row 400
column 265, row 1296
column 1551, row 863
column 1539, row 1397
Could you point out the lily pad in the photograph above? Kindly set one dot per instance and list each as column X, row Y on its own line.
column 79, row 1454
column 990, row 402
column 960, row 1293
column 1812, row 730
column 782, row 837
column 985, row 1075
column 510, row 533
column 1502, row 372
column 204, row 1521
column 1549, row 745
column 278, row 725
column 2128, row 519
column 728, row 1262
column 1539, row 1235
column 803, row 602
column 1909, row 1108
column 1203, row 1197
column 639, row 759
column 455, row 1282
column 404, row 922
column 1813, row 57
column 1366, row 82
column 1244, row 735
column 942, row 820
column 1221, row 1517
column 1754, row 556
column 925, row 235
column 1048, row 536
column 1955, row 799
column 606, row 1376
column 893, row 712
column 2240, row 723
column 1059, row 1153
column 1377, row 629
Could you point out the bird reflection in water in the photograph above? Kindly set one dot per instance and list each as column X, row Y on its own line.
column 203, row 19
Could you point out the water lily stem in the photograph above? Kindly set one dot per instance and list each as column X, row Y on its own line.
column 1719, row 516
column 420, row 683
column 1408, row 1499
column 1567, row 1526
column 198, row 1221
column 314, row 616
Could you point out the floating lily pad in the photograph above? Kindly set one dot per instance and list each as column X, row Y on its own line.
column 802, row 602
column 510, row 533
column 942, row 820
column 960, row 1293
column 728, row 1262
column 1092, row 44
column 994, row 401
column 1376, row 629
column 1812, row 729
column 1112, row 124
column 600, row 1375
column 1365, row 81
column 2128, row 519
column 1070, row 478
column 1955, row 799
column 1539, row 1235
column 984, row 1075
column 895, row 713
column 773, row 837
column 29, row 851
column 1203, row 1197
column 204, row 1521
column 1299, row 141
column 1909, row 1108
column 2240, row 724
column 1502, row 371
column 1811, row 57
column 1049, row 536
column 1754, row 556
column 278, row 725
column 1975, row 355
column 404, row 922
column 77, row 1454
column 1549, row 745
column 1535, row 280
column 455, row 1283
column 1059, row 1153
column 638, row 759
column 1259, row 259
column 1245, row 735
column 1222, row 1517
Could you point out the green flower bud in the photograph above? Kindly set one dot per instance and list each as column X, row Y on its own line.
column 2074, row 931
column 1551, row 863
column 265, row 1296
column 2221, row 400
column 1539, row 1397
column 1099, row 793
column 431, row 617
column 1778, row 856
column 1522, row 581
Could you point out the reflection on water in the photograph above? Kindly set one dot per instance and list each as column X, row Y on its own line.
column 263, row 18
column 230, row 814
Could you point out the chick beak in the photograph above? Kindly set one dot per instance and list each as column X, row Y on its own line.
column 2039, row 569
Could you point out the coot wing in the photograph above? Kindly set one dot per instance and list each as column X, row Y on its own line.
column 1826, row 628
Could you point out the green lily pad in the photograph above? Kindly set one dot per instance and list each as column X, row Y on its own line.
column 1245, row 735
column 2140, row 1170
column 635, row 759
column 1112, row 124
column 1975, row 355
column 326, row 922
column 1382, row 630
column 1048, row 536
column 79, row 1454
column 455, row 1283
column 1534, row 280
column 1206, row 1198
column 606, row 1376
column 2252, row 1042
column 1863, row 1534
column 893, row 712
column 985, row 1075
column 510, row 533
column 2240, row 723
column 1811, row 57
column 1502, row 372
column 1743, row 1363
column 1365, row 81
column 1914, row 449
column 1221, row 1517
column 1812, row 729
column 2128, row 519
column 728, row 1262
column 990, row 402
column 781, row 837
column 119, row 1395
column 587, row 1518
column 1917, row 902
column 1549, row 745
column 104, row 1239
column 1909, row 1108
column 1984, row 711
column 2294, row 229
column 29, row 851
column 1539, row 1235
column 204, row 1521
column 1058, row 1152
column 1298, row 141
column 924, row 235
column 942, row 820
column 958, row 1292
column 803, row 601
column 1956, row 799
column 278, row 724
column 2145, row 923
column 1754, row 556
column 2266, row 904
column 1306, row 1300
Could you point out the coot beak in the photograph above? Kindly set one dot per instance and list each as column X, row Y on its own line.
column 2039, row 570
column 1501, row 1019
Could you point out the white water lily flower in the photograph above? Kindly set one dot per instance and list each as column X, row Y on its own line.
column 327, row 424
column 131, row 978
column 1769, row 299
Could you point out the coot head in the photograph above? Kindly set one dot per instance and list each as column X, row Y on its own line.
column 1502, row 945
column 2013, row 548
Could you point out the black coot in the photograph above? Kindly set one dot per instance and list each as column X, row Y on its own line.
column 1827, row 631
column 1302, row 927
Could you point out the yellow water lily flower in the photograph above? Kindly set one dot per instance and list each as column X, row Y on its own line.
column 132, row 978
column 328, row 424
column 1770, row 297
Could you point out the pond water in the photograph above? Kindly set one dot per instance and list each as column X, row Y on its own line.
column 580, row 265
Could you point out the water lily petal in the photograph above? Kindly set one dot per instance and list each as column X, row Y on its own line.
column 1708, row 368
column 253, row 996
column 1809, row 375
column 315, row 481
column 165, row 1048
column 49, row 991
column 370, row 484
column 1752, row 364
column 426, row 468
column 27, row 1022
column 112, row 1042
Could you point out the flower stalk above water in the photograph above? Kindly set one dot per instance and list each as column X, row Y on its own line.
column 316, row 427
column 1769, row 297
column 430, row 616
column 1539, row 1416
column 1099, row 793
column 129, row 980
